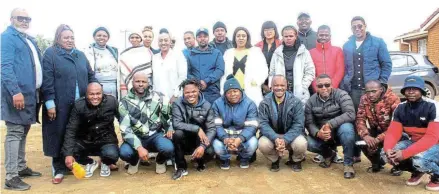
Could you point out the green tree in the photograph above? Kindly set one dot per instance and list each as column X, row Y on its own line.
column 43, row 43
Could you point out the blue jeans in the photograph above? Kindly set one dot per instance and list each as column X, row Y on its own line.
column 109, row 153
column 427, row 161
column 245, row 150
column 153, row 143
column 344, row 135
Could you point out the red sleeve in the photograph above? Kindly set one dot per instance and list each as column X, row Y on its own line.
column 430, row 139
column 339, row 73
column 393, row 135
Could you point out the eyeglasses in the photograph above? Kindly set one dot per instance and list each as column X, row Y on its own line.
column 23, row 19
column 358, row 26
column 323, row 85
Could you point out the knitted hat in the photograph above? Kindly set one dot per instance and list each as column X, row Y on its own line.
column 231, row 83
column 101, row 29
column 219, row 25
column 135, row 33
column 414, row 82
column 164, row 30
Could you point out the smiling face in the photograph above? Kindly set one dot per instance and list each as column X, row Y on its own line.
column 67, row 40
column 140, row 83
column 164, row 42
column 135, row 40
column 358, row 29
column 269, row 33
column 304, row 23
column 94, row 94
column 189, row 40
column 279, row 86
column 233, row 96
column 101, row 38
column 241, row 39
column 203, row 40
column 191, row 94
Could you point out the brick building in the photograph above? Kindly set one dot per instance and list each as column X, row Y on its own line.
column 423, row 40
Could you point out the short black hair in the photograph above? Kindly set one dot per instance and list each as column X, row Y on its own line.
column 324, row 27
column 190, row 82
column 190, row 32
column 269, row 24
column 358, row 18
column 323, row 76
column 249, row 40
column 289, row 27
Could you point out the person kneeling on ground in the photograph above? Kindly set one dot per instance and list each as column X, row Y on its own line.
column 282, row 122
column 144, row 115
column 90, row 132
column 373, row 119
column 329, row 116
column 418, row 117
column 192, row 118
column 236, row 122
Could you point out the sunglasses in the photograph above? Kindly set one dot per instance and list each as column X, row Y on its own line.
column 358, row 26
column 323, row 85
column 23, row 19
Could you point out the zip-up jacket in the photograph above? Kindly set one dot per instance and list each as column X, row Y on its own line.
column 328, row 60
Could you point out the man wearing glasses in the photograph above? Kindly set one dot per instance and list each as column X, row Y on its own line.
column 329, row 115
column 366, row 58
column 373, row 118
column 21, row 77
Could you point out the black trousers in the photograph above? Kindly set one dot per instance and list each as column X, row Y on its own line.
column 185, row 143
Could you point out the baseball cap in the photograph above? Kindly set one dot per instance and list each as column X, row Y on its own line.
column 202, row 30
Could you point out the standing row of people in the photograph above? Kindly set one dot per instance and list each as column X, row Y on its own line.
column 66, row 80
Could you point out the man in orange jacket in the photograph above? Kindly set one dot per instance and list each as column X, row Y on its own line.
column 327, row 59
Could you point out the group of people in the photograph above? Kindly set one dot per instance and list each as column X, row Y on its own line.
column 216, row 99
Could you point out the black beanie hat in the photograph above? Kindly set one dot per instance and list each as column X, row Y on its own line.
column 219, row 25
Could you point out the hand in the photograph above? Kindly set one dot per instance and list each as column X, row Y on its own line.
column 69, row 161
column 324, row 134
column 198, row 153
column 228, row 142
column 371, row 142
column 52, row 113
column 237, row 142
column 169, row 134
column 280, row 146
column 143, row 153
column 203, row 85
column 172, row 100
column 18, row 100
column 396, row 156
column 203, row 138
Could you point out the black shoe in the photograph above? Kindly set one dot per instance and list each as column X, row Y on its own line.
column 275, row 166
column 244, row 163
column 16, row 184
column 201, row 167
column 296, row 166
column 179, row 173
column 28, row 172
column 225, row 164
column 145, row 163
column 395, row 171
column 253, row 158
column 349, row 172
column 375, row 168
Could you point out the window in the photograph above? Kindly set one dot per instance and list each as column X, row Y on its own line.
column 411, row 61
column 422, row 46
column 399, row 60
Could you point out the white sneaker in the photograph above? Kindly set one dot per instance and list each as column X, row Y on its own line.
column 105, row 170
column 160, row 168
column 169, row 163
column 90, row 168
column 133, row 169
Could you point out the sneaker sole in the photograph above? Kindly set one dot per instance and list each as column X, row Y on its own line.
column 92, row 171
column 182, row 175
column 244, row 167
column 105, row 175
column 15, row 189
column 432, row 188
column 225, row 168
column 414, row 183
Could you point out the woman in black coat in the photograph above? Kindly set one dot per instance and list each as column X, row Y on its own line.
column 66, row 74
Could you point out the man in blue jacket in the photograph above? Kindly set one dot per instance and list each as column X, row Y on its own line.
column 206, row 64
column 236, row 123
column 282, row 121
column 366, row 58
column 21, row 77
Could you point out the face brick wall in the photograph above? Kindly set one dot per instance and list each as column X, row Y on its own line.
column 433, row 44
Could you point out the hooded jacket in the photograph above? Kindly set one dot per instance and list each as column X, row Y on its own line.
column 228, row 43
column 377, row 115
column 190, row 118
column 292, row 114
column 328, row 60
column 304, row 70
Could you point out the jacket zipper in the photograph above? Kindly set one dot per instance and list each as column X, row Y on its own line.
column 324, row 57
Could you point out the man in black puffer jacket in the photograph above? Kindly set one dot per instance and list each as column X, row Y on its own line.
column 90, row 131
column 329, row 117
column 193, row 122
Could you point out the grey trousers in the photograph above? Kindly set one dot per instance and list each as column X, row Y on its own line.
column 15, row 144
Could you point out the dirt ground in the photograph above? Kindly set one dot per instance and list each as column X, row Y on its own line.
column 256, row 179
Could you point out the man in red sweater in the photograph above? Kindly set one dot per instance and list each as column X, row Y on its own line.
column 327, row 59
column 418, row 117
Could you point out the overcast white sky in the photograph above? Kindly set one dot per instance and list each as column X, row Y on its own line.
column 385, row 18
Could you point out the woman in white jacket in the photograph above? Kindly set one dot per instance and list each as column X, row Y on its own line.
column 247, row 64
column 293, row 60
